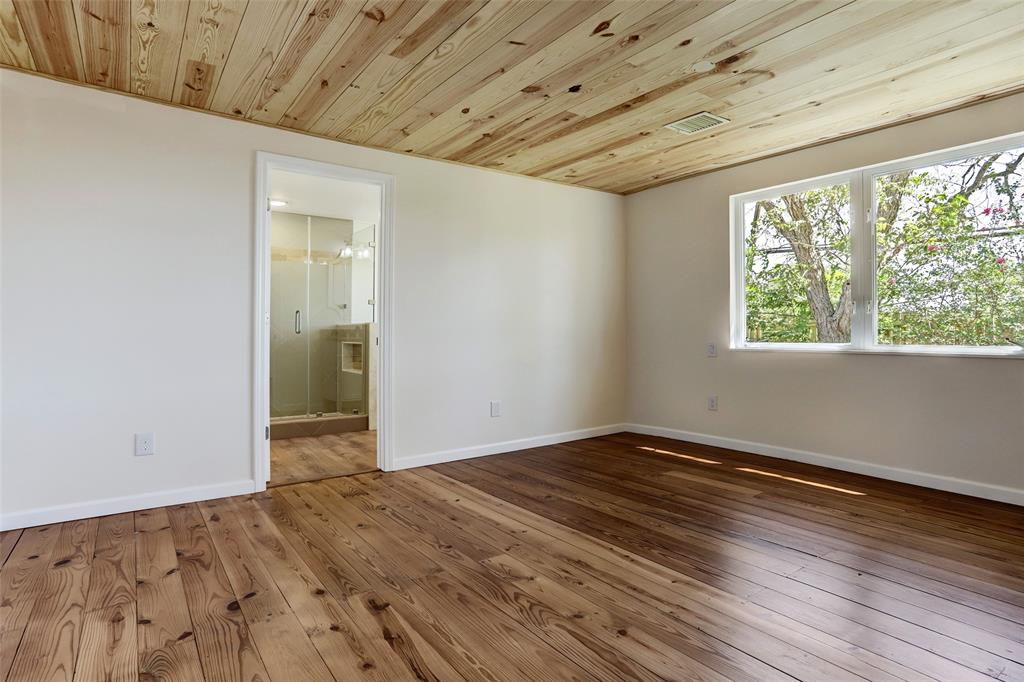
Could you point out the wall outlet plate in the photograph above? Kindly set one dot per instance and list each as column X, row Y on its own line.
column 712, row 350
column 713, row 403
column 145, row 444
column 495, row 408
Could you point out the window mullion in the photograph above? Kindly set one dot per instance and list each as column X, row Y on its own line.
column 870, row 259
column 738, row 316
column 858, row 248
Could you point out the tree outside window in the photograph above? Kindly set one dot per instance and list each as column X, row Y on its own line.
column 948, row 257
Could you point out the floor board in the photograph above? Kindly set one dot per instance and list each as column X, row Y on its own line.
column 624, row 557
column 313, row 458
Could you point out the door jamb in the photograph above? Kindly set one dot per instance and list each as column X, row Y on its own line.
column 265, row 162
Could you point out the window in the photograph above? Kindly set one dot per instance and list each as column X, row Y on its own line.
column 925, row 255
column 797, row 266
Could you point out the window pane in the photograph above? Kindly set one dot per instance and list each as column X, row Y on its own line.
column 950, row 252
column 798, row 267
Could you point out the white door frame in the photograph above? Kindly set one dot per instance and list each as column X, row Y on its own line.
column 265, row 162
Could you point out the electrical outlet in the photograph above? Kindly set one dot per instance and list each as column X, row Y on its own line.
column 712, row 350
column 145, row 444
column 495, row 408
column 713, row 403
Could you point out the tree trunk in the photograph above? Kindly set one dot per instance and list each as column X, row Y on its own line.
column 831, row 322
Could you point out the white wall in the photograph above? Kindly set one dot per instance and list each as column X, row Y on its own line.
column 958, row 418
column 127, row 279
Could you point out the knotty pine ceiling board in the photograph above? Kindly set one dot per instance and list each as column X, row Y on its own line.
column 575, row 91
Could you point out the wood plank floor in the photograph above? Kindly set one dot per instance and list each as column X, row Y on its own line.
column 295, row 460
column 617, row 558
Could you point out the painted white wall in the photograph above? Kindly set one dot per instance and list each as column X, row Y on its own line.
column 960, row 418
column 127, row 299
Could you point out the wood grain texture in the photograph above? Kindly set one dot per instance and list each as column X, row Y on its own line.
column 20, row 584
column 310, row 42
column 573, row 91
column 166, row 639
column 284, row 645
column 104, row 32
column 257, row 45
column 158, row 27
column 481, row 32
column 14, row 49
column 416, row 40
column 294, row 460
column 53, row 635
column 210, row 31
column 378, row 23
column 50, row 31
column 8, row 539
column 617, row 558
column 109, row 649
column 225, row 646
column 536, row 32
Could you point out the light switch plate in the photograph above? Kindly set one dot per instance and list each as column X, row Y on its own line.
column 495, row 408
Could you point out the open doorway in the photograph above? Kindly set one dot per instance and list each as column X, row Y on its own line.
column 322, row 233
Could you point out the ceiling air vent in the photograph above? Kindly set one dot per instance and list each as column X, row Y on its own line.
column 697, row 123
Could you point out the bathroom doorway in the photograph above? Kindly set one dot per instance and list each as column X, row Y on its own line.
column 321, row 231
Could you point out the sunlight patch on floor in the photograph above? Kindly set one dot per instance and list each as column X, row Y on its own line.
column 800, row 480
column 676, row 454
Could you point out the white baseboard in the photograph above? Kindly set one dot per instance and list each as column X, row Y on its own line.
column 504, row 446
column 117, row 505
column 987, row 491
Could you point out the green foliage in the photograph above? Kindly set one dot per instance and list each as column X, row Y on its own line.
column 951, row 261
column 949, row 256
column 778, row 305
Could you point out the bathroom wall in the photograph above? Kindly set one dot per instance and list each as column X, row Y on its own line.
column 363, row 233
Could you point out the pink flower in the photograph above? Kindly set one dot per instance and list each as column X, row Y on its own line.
column 933, row 247
column 892, row 280
column 1000, row 260
column 987, row 211
column 999, row 210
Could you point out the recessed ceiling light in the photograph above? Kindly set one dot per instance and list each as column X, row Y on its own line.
column 702, row 67
column 278, row 203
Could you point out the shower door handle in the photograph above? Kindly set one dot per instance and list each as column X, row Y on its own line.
column 298, row 321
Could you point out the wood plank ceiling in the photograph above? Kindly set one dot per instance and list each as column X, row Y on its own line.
column 576, row 91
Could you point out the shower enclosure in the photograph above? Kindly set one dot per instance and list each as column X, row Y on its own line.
column 321, row 315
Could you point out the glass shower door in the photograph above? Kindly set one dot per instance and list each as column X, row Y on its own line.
column 316, row 344
column 289, row 345
column 329, row 293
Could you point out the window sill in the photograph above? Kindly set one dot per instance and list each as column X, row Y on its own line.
column 926, row 351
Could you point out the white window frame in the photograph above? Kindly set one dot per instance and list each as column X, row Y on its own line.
column 864, row 325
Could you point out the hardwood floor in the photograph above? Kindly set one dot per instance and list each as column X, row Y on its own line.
column 294, row 460
column 617, row 558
